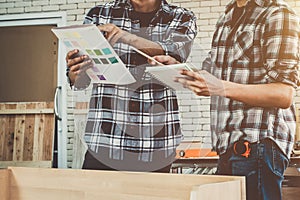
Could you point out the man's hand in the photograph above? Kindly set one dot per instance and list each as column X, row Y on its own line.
column 167, row 60
column 77, row 63
column 114, row 34
column 202, row 83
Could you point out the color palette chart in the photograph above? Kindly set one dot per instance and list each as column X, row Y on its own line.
column 107, row 66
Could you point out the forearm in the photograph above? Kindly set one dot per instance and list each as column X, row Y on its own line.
column 262, row 95
column 147, row 46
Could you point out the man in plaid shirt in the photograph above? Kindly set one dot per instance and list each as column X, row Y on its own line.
column 251, row 76
column 135, row 127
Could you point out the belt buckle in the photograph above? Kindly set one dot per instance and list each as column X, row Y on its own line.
column 242, row 148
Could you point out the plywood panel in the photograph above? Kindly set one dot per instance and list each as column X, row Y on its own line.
column 4, row 184
column 114, row 185
column 27, row 136
column 217, row 191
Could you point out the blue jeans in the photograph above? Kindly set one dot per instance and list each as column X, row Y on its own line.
column 263, row 169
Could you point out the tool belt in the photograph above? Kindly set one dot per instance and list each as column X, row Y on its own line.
column 242, row 148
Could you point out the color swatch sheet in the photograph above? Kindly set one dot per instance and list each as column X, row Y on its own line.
column 107, row 66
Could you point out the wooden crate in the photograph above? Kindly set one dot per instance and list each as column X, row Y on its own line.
column 26, row 134
column 74, row 184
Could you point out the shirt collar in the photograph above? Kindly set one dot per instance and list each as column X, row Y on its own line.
column 126, row 3
column 122, row 3
column 260, row 3
column 165, row 6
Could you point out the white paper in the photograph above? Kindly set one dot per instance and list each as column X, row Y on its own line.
column 167, row 73
column 107, row 66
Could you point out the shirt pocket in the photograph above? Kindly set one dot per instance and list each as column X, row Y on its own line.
column 242, row 44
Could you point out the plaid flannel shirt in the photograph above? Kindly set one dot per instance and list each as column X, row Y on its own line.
column 142, row 117
column 263, row 47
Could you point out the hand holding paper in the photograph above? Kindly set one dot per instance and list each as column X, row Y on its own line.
column 202, row 83
column 168, row 73
column 106, row 67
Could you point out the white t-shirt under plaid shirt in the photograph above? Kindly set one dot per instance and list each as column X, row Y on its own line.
column 261, row 47
column 143, row 117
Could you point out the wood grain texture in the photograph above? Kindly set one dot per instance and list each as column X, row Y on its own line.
column 26, row 132
column 115, row 185
column 4, row 184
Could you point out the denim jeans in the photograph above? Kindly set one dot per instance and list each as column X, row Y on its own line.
column 263, row 169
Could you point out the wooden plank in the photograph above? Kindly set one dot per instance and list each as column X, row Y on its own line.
column 2, row 133
column 43, row 164
column 28, row 134
column 109, row 184
column 27, row 111
column 36, row 135
column 47, row 194
column 48, row 135
column 18, row 193
column 216, row 191
column 39, row 135
column 49, row 132
column 4, row 184
column 19, row 135
column 48, row 139
column 9, row 134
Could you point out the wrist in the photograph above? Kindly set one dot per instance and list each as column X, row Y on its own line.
column 232, row 90
column 226, row 89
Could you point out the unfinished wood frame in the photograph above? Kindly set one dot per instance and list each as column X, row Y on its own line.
column 74, row 184
column 26, row 134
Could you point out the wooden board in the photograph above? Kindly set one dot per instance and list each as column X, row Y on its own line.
column 4, row 184
column 217, row 191
column 72, row 184
column 26, row 132
column 43, row 164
